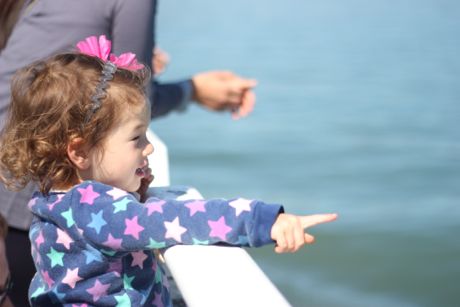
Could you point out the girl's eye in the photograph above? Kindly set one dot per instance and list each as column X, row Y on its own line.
column 136, row 138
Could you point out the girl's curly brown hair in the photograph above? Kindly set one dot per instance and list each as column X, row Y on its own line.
column 50, row 101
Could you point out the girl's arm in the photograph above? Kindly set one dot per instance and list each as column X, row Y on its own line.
column 117, row 220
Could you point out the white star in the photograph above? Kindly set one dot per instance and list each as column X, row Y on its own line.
column 117, row 193
column 174, row 230
column 241, row 205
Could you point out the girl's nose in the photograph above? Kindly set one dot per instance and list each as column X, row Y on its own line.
column 148, row 149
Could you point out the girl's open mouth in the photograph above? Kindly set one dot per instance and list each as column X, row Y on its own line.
column 140, row 172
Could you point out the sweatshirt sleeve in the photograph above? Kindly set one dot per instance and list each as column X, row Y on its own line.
column 113, row 219
column 166, row 97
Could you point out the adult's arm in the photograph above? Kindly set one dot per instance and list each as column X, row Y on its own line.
column 134, row 31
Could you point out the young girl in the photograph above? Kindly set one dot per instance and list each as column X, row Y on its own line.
column 77, row 127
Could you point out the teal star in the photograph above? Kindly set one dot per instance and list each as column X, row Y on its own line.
column 121, row 204
column 154, row 244
column 55, row 257
column 108, row 252
column 123, row 300
column 38, row 291
column 158, row 275
column 97, row 221
column 198, row 242
column 127, row 281
column 68, row 215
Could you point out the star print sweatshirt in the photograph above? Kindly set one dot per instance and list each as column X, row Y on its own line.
column 94, row 244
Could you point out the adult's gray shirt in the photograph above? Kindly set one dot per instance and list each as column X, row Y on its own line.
column 47, row 27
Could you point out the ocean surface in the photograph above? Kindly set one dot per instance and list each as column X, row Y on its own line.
column 358, row 112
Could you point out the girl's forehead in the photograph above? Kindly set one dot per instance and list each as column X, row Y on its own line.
column 139, row 111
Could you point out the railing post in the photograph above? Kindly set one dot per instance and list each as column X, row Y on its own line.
column 158, row 161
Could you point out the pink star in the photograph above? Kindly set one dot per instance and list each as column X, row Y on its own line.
column 174, row 230
column 63, row 238
column 219, row 228
column 196, row 206
column 117, row 193
column 113, row 243
column 138, row 259
column 46, row 277
column 98, row 290
column 88, row 195
column 241, row 205
column 32, row 203
column 39, row 240
column 156, row 206
column 59, row 197
column 38, row 258
column 71, row 277
column 132, row 227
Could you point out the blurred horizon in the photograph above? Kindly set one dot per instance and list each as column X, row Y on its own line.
column 357, row 113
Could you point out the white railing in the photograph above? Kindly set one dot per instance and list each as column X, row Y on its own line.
column 159, row 161
column 210, row 275
column 220, row 276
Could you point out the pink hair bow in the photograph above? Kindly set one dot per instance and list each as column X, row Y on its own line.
column 100, row 47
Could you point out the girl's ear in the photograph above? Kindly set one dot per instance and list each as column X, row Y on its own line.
column 78, row 153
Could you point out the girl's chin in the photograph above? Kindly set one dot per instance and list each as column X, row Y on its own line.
column 131, row 188
column 134, row 188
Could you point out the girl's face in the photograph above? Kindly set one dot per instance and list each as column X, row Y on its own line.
column 123, row 160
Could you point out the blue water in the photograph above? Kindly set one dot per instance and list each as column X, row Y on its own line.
column 358, row 112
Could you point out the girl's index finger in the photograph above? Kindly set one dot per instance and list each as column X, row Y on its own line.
column 315, row 219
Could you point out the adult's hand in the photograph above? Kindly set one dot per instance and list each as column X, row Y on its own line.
column 160, row 59
column 223, row 90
